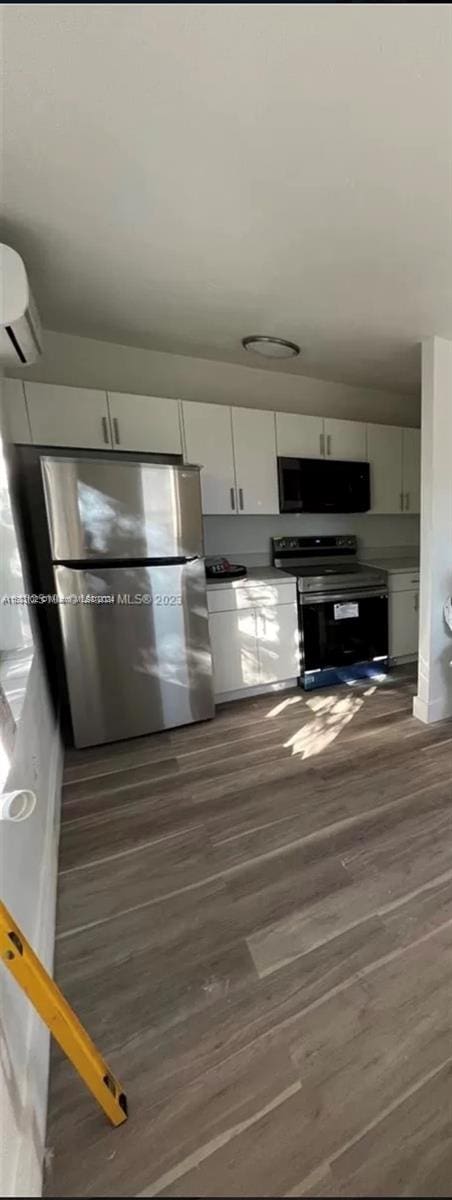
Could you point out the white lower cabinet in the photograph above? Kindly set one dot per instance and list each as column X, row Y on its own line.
column 277, row 635
column 403, row 624
column 253, row 644
column 233, row 637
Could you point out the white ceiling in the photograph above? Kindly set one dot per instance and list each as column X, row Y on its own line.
column 180, row 175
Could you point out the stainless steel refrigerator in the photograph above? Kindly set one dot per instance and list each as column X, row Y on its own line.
column 127, row 549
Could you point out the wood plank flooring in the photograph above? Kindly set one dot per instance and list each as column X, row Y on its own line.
column 255, row 925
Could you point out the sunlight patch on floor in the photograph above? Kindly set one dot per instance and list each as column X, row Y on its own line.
column 332, row 715
column 279, row 708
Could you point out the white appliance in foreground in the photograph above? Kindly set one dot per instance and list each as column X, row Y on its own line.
column 127, row 548
column 20, row 329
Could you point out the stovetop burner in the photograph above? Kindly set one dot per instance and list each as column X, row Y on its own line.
column 326, row 563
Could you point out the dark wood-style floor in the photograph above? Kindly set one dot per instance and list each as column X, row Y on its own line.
column 255, row 925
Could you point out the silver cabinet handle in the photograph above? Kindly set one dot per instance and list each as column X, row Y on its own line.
column 322, row 443
column 105, row 431
column 328, row 444
column 401, row 501
column 416, row 602
column 241, row 499
column 232, row 499
column 407, row 501
column 116, row 430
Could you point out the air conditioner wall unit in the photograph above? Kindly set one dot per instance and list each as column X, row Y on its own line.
column 20, row 329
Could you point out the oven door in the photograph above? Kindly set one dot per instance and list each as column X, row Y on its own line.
column 339, row 631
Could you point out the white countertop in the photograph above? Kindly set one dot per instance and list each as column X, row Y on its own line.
column 254, row 575
column 392, row 565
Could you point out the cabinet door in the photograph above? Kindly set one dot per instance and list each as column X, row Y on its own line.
column 298, row 436
column 412, row 470
column 277, row 635
column 234, row 650
column 67, row 416
column 147, row 423
column 345, row 440
column 14, row 411
column 208, row 443
column 253, row 433
column 403, row 623
column 384, row 451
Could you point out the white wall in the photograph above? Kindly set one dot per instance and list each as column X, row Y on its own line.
column 89, row 363
column 250, row 536
column 434, row 699
column 28, row 867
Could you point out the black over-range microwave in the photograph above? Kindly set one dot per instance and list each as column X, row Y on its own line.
column 318, row 485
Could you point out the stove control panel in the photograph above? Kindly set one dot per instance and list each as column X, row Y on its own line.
column 324, row 544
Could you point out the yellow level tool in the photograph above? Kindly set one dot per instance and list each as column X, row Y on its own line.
column 51, row 1005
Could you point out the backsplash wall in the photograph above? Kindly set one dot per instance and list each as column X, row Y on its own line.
column 250, row 536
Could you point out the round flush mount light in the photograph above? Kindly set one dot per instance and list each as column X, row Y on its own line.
column 271, row 347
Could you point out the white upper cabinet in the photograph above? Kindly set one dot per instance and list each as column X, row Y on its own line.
column 317, row 437
column 237, row 448
column 345, row 440
column 384, row 448
column 208, row 442
column 253, row 432
column 14, row 411
column 67, row 416
column 299, row 436
column 146, row 423
column 411, row 470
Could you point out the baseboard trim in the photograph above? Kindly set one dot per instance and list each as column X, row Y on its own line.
column 262, row 689
column 436, row 710
column 403, row 659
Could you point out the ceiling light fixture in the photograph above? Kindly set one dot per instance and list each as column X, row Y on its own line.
column 271, row 347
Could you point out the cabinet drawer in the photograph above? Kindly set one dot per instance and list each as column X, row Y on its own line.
column 262, row 595
column 403, row 581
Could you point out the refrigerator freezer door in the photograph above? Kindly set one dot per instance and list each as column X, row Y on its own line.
column 142, row 661
column 108, row 509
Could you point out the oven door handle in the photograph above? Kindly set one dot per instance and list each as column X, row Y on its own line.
column 340, row 597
